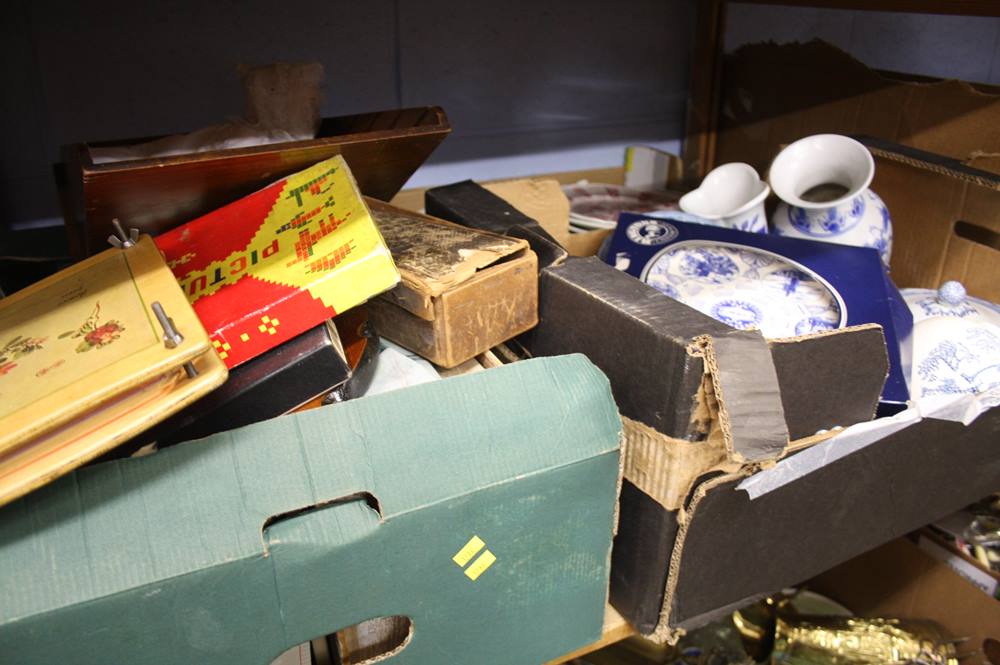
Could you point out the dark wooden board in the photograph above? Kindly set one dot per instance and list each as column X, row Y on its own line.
column 382, row 149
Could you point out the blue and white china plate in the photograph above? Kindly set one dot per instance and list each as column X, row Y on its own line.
column 746, row 287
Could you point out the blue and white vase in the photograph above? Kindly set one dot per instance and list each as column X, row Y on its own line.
column 822, row 182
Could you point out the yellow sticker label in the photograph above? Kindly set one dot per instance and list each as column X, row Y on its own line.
column 480, row 565
column 470, row 550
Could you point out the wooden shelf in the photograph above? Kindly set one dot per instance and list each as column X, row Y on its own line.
column 616, row 628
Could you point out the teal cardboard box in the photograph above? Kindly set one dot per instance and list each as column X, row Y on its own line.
column 481, row 508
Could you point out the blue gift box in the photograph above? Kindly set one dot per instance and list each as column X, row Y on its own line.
column 855, row 276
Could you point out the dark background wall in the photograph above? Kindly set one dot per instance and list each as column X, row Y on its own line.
column 530, row 87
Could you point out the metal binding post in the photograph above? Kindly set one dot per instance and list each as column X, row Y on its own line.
column 120, row 239
column 171, row 336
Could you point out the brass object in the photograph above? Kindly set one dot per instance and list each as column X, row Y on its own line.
column 773, row 632
column 842, row 641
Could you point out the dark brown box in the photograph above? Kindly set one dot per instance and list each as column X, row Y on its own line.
column 382, row 149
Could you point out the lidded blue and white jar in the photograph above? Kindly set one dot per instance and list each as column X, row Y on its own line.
column 822, row 182
column 956, row 342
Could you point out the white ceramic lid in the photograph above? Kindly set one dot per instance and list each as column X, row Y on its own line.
column 956, row 342
column 950, row 300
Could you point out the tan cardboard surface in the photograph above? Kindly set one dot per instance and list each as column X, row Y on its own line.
column 541, row 199
column 946, row 220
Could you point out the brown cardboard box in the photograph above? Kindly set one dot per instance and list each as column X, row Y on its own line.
column 900, row 580
column 946, row 215
column 463, row 290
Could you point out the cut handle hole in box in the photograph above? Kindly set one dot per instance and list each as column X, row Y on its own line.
column 977, row 234
column 371, row 641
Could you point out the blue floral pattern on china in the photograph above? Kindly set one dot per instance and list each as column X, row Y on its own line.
column 745, row 287
column 862, row 221
column 710, row 266
column 813, row 324
column 827, row 222
column 956, row 366
column 931, row 306
column 737, row 313
column 753, row 224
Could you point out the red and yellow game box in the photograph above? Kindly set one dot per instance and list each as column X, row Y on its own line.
column 274, row 264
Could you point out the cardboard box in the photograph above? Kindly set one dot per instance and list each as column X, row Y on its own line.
column 463, row 291
column 899, row 580
column 948, row 216
column 383, row 150
column 773, row 96
column 272, row 265
column 725, row 548
column 699, row 399
column 491, row 534
column 854, row 277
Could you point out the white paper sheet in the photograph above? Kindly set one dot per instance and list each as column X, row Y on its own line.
column 957, row 408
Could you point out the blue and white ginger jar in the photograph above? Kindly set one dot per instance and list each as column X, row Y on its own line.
column 956, row 342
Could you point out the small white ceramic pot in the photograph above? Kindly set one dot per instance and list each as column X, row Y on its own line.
column 822, row 182
column 956, row 342
column 732, row 196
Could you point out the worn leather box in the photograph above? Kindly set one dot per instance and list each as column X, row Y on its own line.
column 462, row 290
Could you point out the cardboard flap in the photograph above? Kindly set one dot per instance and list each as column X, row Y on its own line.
column 747, row 393
column 539, row 199
column 814, row 369
column 132, row 522
column 433, row 255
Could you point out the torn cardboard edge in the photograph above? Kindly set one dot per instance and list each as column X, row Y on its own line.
column 457, row 254
column 753, row 422
column 664, row 633
column 666, row 468
column 698, row 588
